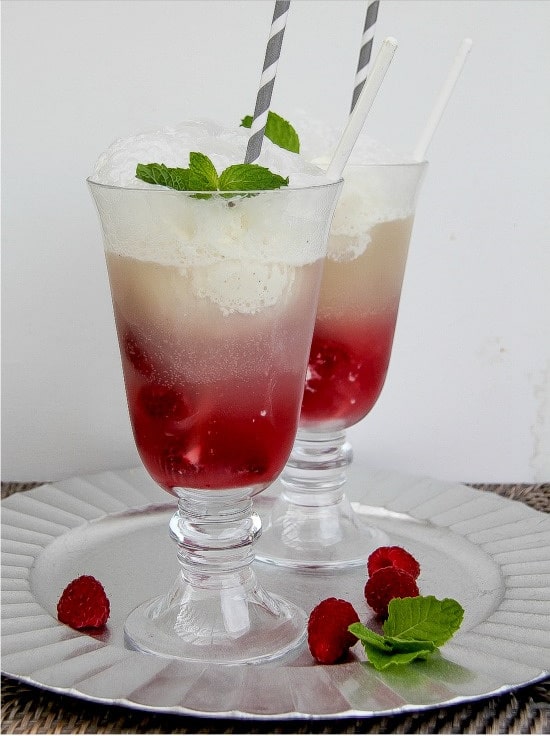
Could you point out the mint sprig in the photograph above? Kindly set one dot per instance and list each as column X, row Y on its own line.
column 278, row 130
column 201, row 176
column 415, row 628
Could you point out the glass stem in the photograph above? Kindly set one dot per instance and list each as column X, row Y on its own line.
column 312, row 524
column 215, row 537
column 216, row 610
column 315, row 473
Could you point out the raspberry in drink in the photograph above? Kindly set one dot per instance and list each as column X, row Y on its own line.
column 213, row 395
column 354, row 329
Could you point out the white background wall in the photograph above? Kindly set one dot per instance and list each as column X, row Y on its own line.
column 468, row 394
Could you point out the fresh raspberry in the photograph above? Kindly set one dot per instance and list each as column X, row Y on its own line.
column 393, row 557
column 83, row 604
column 387, row 583
column 327, row 630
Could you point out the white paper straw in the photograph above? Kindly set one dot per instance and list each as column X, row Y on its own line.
column 442, row 100
column 364, row 103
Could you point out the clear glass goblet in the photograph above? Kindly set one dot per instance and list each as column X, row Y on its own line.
column 311, row 524
column 214, row 299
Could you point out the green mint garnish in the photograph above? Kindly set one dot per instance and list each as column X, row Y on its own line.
column 164, row 176
column 244, row 177
column 278, row 130
column 415, row 627
column 201, row 176
column 423, row 618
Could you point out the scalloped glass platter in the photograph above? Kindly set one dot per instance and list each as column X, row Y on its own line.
column 490, row 553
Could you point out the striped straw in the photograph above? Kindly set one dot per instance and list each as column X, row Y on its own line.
column 267, row 80
column 357, row 118
column 365, row 50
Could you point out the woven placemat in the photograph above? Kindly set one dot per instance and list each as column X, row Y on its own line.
column 30, row 710
column 27, row 710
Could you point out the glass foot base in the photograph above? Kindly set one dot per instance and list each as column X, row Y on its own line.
column 316, row 537
column 235, row 624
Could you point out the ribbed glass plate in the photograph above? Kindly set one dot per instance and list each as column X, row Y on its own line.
column 491, row 554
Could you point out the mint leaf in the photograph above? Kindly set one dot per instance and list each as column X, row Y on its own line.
column 423, row 618
column 415, row 627
column 409, row 645
column 382, row 660
column 278, row 130
column 382, row 651
column 367, row 636
column 167, row 177
column 246, row 177
column 388, row 644
column 203, row 176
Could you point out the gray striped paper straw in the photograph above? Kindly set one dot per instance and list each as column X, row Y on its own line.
column 365, row 50
column 267, row 80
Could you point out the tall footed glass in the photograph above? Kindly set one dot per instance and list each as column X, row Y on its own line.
column 214, row 299
column 312, row 524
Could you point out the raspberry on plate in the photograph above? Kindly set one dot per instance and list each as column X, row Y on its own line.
column 83, row 604
column 387, row 583
column 327, row 630
column 393, row 557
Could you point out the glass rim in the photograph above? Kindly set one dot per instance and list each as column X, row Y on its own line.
column 158, row 188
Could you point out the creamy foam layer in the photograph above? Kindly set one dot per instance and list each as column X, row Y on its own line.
column 240, row 252
column 379, row 185
column 171, row 228
column 175, row 229
column 371, row 195
column 171, row 146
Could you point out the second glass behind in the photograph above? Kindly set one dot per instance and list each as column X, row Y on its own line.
column 312, row 524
